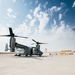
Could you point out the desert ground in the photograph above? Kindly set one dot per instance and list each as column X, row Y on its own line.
column 45, row 65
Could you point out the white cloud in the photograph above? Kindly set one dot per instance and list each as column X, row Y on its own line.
column 54, row 9
column 73, row 4
column 24, row 29
column 29, row 16
column 42, row 18
column 31, row 11
column 10, row 13
column 45, row 4
column 26, row 20
column 62, row 4
column 54, row 22
column 32, row 23
column 9, row 10
column 37, row 9
column 11, row 16
column 60, row 17
column 59, row 37
column 59, row 8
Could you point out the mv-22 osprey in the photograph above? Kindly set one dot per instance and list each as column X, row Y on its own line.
column 22, row 49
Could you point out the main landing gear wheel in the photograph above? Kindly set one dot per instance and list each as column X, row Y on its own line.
column 15, row 54
column 26, row 55
column 39, row 55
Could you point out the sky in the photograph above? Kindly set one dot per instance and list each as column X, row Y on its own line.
column 46, row 21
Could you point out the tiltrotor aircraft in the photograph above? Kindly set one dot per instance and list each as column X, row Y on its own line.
column 22, row 49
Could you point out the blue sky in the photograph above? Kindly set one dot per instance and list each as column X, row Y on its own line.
column 49, row 21
column 22, row 7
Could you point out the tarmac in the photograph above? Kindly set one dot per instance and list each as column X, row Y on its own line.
column 45, row 65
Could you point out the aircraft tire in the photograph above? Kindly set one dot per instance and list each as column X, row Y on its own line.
column 30, row 54
column 15, row 54
column 19, row 55
column 39, row 55
column 26, row 55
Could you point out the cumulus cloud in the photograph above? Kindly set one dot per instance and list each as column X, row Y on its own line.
column 59, row 36
column 63, row 4
column 73, row 4
column 24, row 29
column 31, row 11
column 54, row 22
column 37, row 9
column 32, row 23
column 10, row 13
column 45, row 4
column 42, row 17
column 54, row 9
column 9, row 10
column 60, row 17
column 29, row 16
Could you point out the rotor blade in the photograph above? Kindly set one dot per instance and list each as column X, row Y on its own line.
column 42, row 43
column 38, row 42
column 34, row 40
column 32, row 43
column 11, row 32
column 5, row 35
column 20, row 36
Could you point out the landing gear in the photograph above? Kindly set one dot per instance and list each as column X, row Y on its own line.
column 18, row 55
column 40, row 55
column 26, row 55
column 15, row 54
column 30, row 54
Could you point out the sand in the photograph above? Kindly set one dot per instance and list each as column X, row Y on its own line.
column 45, row 65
